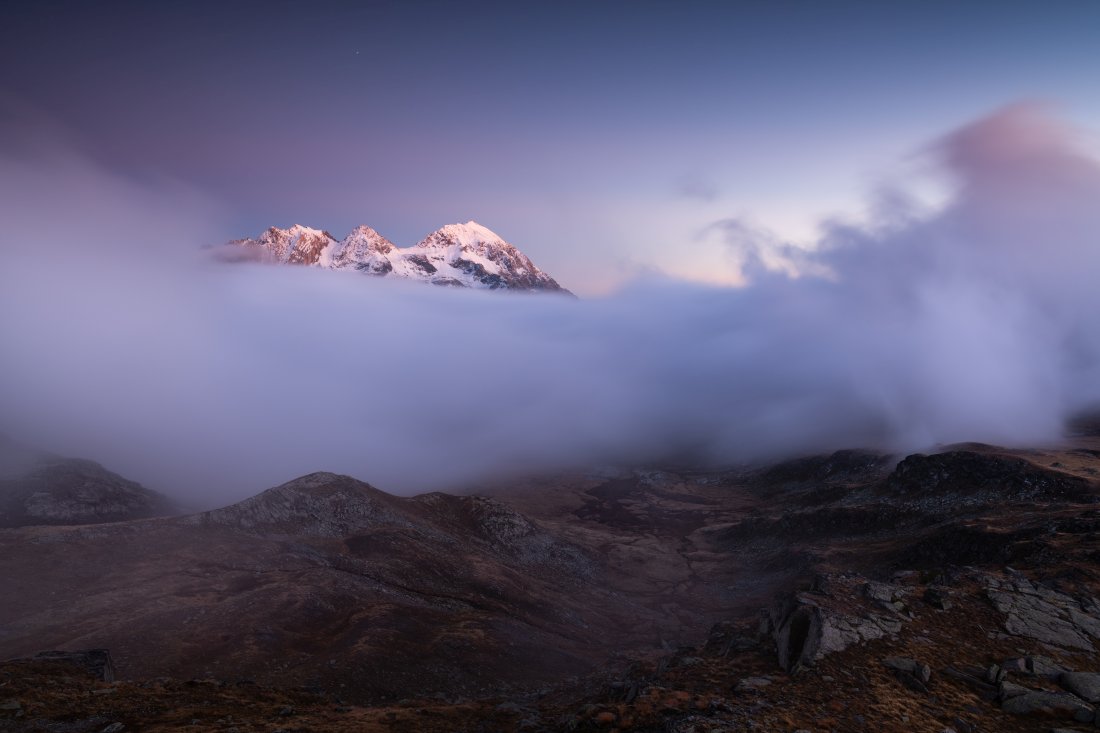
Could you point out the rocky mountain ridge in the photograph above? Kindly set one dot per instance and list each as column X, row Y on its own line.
column 459, row 255
column 957, row 590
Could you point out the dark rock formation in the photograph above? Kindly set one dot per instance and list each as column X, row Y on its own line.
column 968, row 477
column 97, row 662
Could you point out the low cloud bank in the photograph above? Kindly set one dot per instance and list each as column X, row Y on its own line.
column 123, row 342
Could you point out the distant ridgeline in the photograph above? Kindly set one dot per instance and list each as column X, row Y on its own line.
column 461, row 255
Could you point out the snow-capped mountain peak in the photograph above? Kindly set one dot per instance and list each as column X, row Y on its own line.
column 365, row 232
column 471, row 234
column 462, row 255
column 297, row 245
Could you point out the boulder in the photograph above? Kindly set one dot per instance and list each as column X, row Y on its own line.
column 909, row 666
column 1011, row 689
column 1048, row 703
column 1085, row 685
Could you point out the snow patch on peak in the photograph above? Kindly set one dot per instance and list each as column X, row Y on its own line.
column 300, row 229
column 363, row 229
column 295, row 231
column 470, row 235
column 363, row 235
column 363, row 249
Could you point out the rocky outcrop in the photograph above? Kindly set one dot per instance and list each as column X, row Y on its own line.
column 841, row 467
column 504, row 531
column 957, row 479
column 1044, row 614
column 810, row 625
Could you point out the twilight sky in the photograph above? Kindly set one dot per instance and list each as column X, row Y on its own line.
column 601, row 138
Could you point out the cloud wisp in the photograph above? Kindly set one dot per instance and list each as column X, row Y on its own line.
column 123, row 343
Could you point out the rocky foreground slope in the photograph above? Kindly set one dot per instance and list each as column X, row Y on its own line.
column 852, row 592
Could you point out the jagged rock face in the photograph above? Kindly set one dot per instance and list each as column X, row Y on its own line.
column 72, row 491
column 297, row 245
column 483, row 257
column 365, row 250
column 461, row 255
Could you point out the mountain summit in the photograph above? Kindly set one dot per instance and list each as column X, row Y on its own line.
column 462, row 255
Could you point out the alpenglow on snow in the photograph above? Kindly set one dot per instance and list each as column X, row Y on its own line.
column 461, row 255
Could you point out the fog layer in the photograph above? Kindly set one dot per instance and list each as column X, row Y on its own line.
column 124, row 342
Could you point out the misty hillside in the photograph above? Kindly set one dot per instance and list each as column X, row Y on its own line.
column 38, row 488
